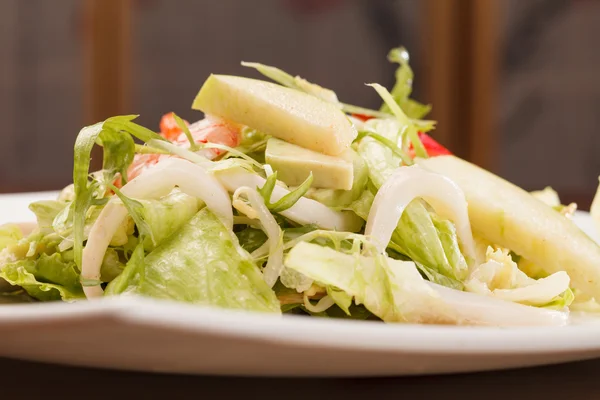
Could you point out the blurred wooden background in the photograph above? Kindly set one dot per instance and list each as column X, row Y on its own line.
column 494, row 70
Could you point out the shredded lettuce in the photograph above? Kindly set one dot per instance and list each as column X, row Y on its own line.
column 200, row 263
column 397, row 151
column 500, row 277
column 411, row 130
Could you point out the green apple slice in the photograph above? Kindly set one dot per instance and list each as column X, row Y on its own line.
column 294, row 164
column 510, row 217
column 288, row 114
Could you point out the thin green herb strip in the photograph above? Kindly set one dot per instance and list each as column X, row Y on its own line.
column 286, row 201
column 183, row 126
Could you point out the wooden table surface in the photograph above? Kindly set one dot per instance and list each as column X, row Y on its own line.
column 25, row 380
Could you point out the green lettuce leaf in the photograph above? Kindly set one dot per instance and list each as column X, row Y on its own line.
column 200, row 264
column 166, row 215
column 63, row 227
column 111, row 265
column 10, row 234
column 403, row 87
column 45, row 211
column 342, row 299
column 391, row 289
column 47, row 278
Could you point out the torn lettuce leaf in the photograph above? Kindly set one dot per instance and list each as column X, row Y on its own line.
column 111, row 266
column 10, row 234
column 380, row 159
column 342, row 299
column 166, row 215
column 47, row 278
column 293, row 279
column 391, row 289
column 200, row 264
column 403, row 87
column 45, row 211
column 430, row 241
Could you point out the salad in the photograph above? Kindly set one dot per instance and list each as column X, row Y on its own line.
column 285, row 200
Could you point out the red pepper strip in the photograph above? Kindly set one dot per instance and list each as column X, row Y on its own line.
column 169, row 128
column 432, row 147
column 362, row 117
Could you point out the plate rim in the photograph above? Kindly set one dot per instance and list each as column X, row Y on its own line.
column 299, row 330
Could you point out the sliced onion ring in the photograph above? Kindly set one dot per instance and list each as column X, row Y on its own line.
column 408, row 183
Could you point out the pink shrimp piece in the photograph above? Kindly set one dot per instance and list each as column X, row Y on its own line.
column 208, row 130
column 212, row 130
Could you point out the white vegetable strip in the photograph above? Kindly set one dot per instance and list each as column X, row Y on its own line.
column 259, row 210
column 305, row 211
column 408, row 183
column 475, row 309
column 155, row 182
column 322, row 305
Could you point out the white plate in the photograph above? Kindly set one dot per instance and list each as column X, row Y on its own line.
column 147, row 335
